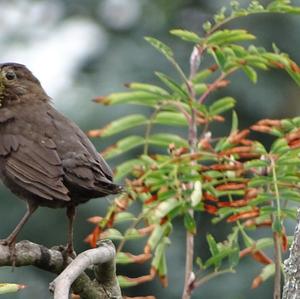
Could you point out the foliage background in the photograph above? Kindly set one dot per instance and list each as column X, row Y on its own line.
column 81, row 50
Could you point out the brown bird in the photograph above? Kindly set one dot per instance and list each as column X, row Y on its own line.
column 45, row 158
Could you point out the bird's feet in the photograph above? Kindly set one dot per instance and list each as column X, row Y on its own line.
column 70, row 251
column 66, row 251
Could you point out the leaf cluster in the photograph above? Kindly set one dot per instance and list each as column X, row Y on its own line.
column 233, row 178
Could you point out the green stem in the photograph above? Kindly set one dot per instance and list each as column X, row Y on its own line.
column 275, row 184
column 276, row 236
column 200, row 281
column 148, row 129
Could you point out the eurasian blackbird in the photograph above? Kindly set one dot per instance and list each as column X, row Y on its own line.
column 45, row 158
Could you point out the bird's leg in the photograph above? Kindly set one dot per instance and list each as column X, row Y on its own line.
column 71, row 211
column 11, row 239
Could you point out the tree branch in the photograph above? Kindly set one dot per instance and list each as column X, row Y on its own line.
column 291, row 287
column 53, row 260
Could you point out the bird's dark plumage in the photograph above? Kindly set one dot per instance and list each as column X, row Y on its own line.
column 44, row 157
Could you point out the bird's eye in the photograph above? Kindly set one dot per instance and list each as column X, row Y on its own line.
column 10, row 75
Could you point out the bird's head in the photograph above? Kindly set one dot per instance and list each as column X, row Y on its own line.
column 17, row 83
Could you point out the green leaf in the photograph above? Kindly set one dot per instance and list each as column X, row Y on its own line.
column 218, row 56
column 267, row 272
column 251, row 73
column 176, row 88
column 216, row 260
column 294, row 76
column 226, row 36
column 190, row 223
column 133, row 234
column 160, row 46
column 201, row 76
column 6, row 288
column 200, row 88
column 277, row 225
column 287, row 124
column 170, row 118
column 280, row 146
column 288, row 194
column 239, row 51
column 207, row 26
column 158, row 233
column 279, row 58
column 166, row 207
column 186, row 35
column 196, row 195
column 159, row 254
column 162, row 268
column 126, row 282
column 246, row 239
column 126, row 168
column 124, row 258
column 213, row 247
column 164, row 139
column 200, row 263
column 124, row 217
column 148, row 88
column 124, row 123
column 113, row 234
column 123, row 145
column 234, row 123
column 263, row 243
column 222, row 144
column 259, row 181
column 234, row 256
column 221, row 105
column 257, row 61
column 132, row 97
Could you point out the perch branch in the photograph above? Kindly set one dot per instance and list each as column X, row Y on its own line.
column 291, row 287
column 53, row 260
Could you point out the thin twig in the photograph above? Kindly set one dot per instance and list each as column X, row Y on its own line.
column 278, row 261
column 148, row 129
column 189, row 274
column 211, row 88
column 276, row 237
column 200, row 281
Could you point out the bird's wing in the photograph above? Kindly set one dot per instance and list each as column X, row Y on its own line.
column 86, row 173
column 34, row 166
column 85, row 170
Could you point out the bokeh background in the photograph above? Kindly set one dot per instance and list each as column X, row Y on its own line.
column 81, row 49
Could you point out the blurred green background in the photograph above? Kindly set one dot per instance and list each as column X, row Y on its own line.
column 81, row 49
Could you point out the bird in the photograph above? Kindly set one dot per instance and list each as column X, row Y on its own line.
column 45, row 158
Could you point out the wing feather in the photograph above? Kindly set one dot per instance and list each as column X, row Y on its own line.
column 36, row 167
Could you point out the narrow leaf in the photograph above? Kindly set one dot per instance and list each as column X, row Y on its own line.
column 221, row 105
column 176, row 88
column 170, row 118
column 148, row 88
column 123, row 145
column 123, row 124
column 189, row 223
column 250, row 72
column 126, row 168
column 164, row 139
column 140, row 97
column 160, row 46
column 186, row 35
column 6, row 288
